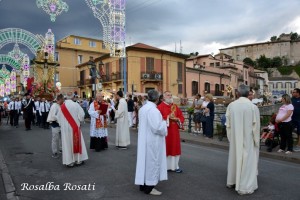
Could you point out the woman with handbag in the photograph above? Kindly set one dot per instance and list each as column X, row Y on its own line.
column 209, row 113
column 284, row 121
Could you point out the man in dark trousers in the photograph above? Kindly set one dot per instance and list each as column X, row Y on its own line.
column 130, row 105
column 27, row 107
column 13, row 107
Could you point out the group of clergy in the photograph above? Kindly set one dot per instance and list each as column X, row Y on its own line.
column 158, row 148
column 158, row 136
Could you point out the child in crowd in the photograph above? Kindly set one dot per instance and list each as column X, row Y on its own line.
column 267, row 132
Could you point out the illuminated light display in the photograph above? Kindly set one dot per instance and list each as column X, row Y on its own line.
column 25, row 70
column 16, row 53
column 53, row 7
column 111, row 14
column 13, row 81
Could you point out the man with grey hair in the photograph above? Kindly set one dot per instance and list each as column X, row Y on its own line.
column 151, row 165
column 172, row 113
column 243, row 132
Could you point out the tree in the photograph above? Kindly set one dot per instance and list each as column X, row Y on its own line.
column 249, row 61
column 294, row 36
column 276, row 62
column 263, row 62
column 273, row 38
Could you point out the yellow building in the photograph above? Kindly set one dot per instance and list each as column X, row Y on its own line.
column 72, row 51
column 147, row 68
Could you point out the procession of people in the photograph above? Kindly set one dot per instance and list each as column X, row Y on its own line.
column 159, row 122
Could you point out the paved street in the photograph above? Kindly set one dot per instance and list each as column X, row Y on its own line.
column 28, row 158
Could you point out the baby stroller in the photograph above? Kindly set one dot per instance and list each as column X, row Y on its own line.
column 272, row 140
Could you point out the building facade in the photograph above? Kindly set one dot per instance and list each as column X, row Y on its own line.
column 219, row 75
column 147, row 68
column 284, row 47
column 72, row 51
column 282, row 85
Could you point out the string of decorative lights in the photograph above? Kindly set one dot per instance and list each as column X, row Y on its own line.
column 52, row 7
column 111, row 14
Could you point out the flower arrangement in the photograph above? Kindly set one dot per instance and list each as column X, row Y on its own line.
column 39, row 89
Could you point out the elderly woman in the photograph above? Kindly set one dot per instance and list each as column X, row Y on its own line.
column 209, row 112
column 284, row 121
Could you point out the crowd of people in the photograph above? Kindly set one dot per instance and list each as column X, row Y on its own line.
column 159, row 121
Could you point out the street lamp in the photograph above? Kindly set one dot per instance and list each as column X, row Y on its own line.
column 94, row 72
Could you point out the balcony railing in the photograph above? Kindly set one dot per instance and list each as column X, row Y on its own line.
column 80, row 83
column 106, row 78
column 117, row 76
column 89, row 81
column 151, row 76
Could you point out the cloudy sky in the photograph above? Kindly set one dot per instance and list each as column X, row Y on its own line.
column 202, row 26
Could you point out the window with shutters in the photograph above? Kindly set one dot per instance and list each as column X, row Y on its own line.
column 180, row 71
column 217, row 89
column 82, row 73
column 179, row 88
column 149, row 65
column 222, row 87
column 107, row 70
column 207, row 87
column 121, row 67
column 194, row 88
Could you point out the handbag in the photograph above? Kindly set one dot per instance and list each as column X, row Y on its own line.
column 203, row 118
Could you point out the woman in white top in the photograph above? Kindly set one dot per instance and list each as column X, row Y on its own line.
column 283, row 119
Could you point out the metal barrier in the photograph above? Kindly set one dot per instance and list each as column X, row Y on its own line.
column 265, row 113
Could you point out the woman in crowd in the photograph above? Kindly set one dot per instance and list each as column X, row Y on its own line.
column 209, row 113
column 285, row 127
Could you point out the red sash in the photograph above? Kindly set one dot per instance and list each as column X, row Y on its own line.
column 76, row 130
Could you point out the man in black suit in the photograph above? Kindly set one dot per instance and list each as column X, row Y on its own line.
column 27, row 107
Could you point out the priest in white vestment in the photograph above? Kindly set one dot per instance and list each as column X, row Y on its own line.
column 243, row 132
column 122, row 130
column 73, row 150
column 151, row 165
column 98, row 126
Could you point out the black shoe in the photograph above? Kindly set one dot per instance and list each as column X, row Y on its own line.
column 142, row 188
column 70, row 165
column 178, row 170
column 79, row 163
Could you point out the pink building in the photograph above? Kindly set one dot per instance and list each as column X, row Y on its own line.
column 219, row 75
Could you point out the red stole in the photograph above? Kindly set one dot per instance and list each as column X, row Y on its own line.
column 76, row 130
column 98, row 121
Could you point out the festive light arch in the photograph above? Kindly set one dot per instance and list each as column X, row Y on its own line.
column 111, row 14
column 21, row 36
column 8, row 60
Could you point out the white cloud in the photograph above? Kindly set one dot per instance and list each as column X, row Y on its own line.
column 294, row 26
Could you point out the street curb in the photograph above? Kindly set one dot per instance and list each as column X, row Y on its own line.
column 281, row 157
column 7, row 180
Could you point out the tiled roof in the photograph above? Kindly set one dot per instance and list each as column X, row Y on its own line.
column 145, row 46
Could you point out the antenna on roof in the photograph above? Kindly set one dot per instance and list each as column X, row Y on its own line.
column 180, row 47
column 175, row 48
